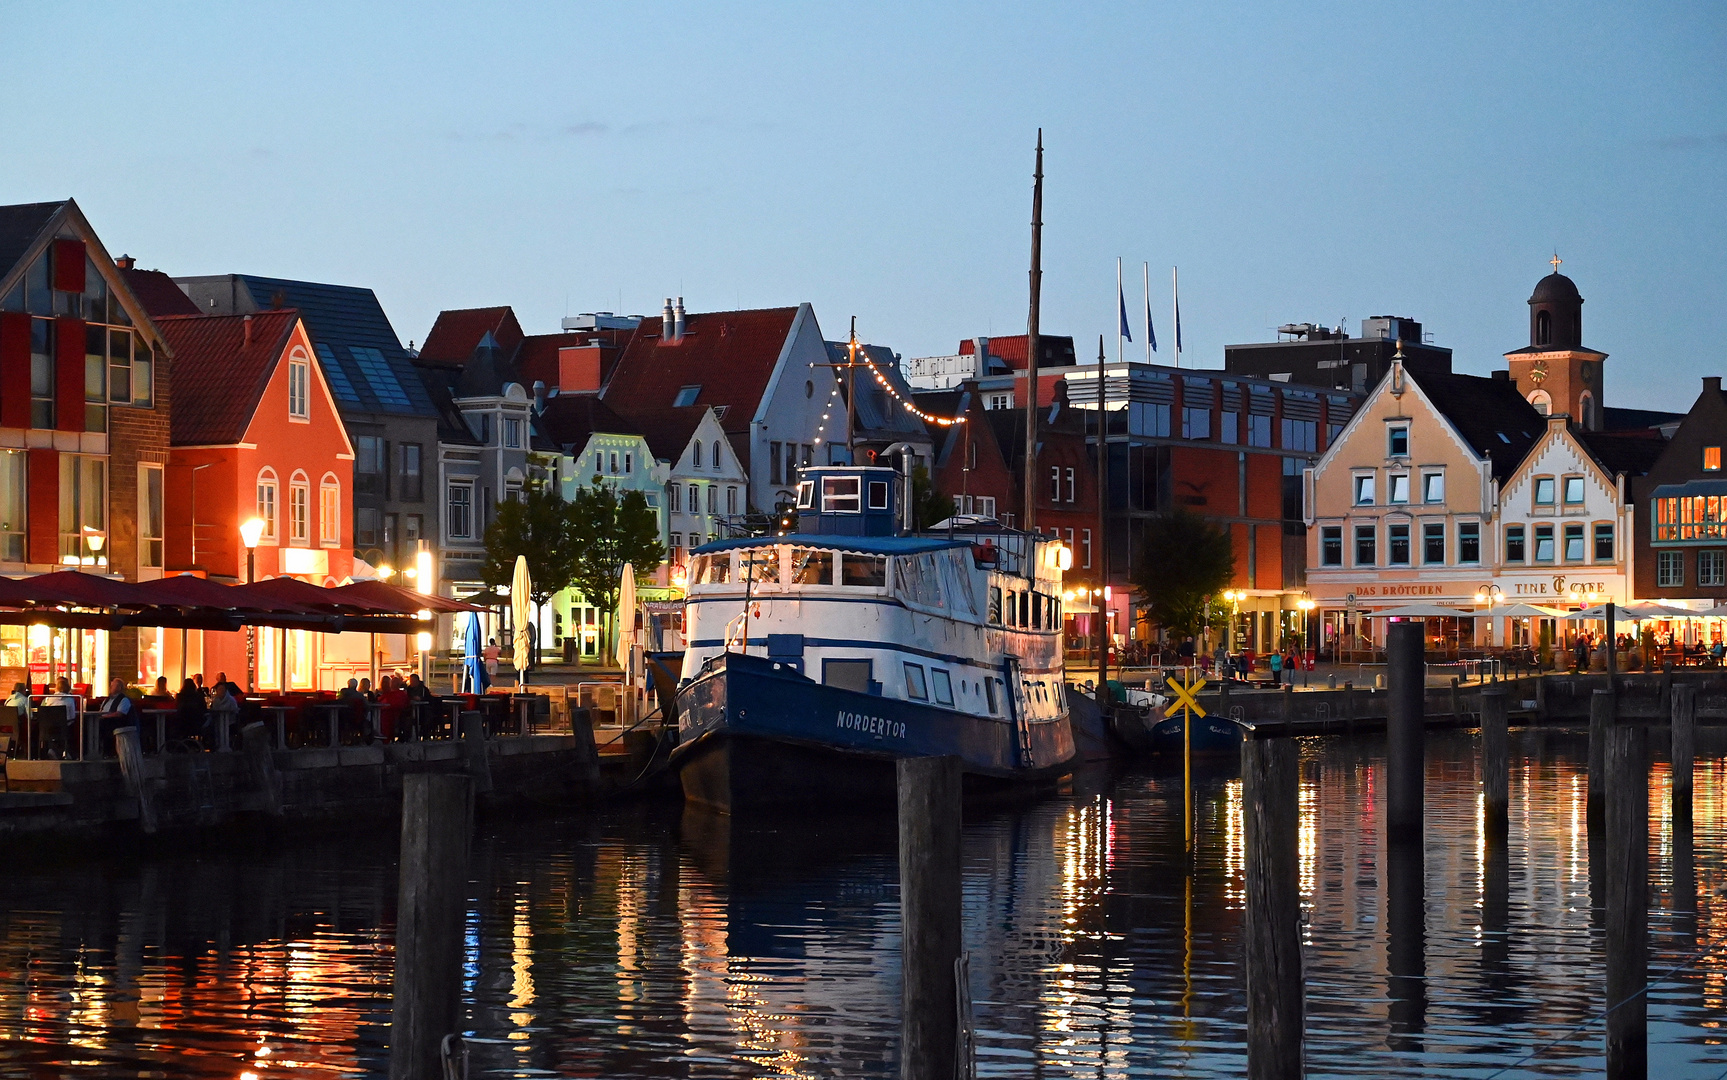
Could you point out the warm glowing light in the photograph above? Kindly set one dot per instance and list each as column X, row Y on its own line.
column 384, row 572
column 252, row 532
column 424, row 641
column 426, row 579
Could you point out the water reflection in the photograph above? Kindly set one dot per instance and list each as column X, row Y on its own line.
column 655, row 942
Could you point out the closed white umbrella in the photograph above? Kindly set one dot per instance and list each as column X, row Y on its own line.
column 626, row 616
column 521, row 608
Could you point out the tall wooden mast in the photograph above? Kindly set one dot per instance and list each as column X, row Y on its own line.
column 1031, row 341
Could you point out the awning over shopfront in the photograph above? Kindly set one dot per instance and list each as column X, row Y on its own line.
column 1419, row 611
column 69, row 598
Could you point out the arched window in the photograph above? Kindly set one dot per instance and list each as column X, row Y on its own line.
column 695, row 499
column 698, row 454
column 329, row 511
column 1543, row 328
column 299, row 509
column 1542, row 402
column 1586, row 410
column 716, row 453
column 268, row 501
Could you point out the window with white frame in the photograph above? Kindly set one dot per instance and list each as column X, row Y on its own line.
column 696, row 457
column 1573, row 491
column 83, row 507
column 1071, row 487
column 1712, row 566
column 267, row 501
column 695, row 505
column 716, row 453
column 1433, row 487
column 12, row 504
column 1399, row 484
column 150, row 519
column 299, row 389
column 330, row 512
column 1544, row 486
column 1364, row 490
column 299, row 510
column 513, row 433
column 1669, row 569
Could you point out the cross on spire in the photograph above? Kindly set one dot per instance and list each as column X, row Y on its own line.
column 1556, row 260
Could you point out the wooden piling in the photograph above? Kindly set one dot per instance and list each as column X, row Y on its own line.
column 1456, row 701
column 1406, row 943
column 1405, row 707
column 1684, row 754
column 1627, row 881
column 255, row 744
column 474, row 753
column 1495, row 762
column 437, row 820
column 1270, row 811
column 929, row 875
column 131, row 754
column 1288, row 707
column 1600, row 721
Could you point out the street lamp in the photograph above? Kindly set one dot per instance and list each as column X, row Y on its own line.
column 1235, row 597
column 95, row 540
column 250, row 533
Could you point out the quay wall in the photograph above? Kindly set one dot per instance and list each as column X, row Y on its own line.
column 78, row 802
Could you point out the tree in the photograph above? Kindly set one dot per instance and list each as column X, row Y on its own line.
column 928, row 505
column 1183, row 561
column 536, row 525
column 608, row 530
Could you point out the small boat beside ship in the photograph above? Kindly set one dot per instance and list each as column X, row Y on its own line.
column 817, row 658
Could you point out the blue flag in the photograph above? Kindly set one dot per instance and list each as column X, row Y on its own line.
column 1122, row 297
column 1178, row 323
column 1150, row 327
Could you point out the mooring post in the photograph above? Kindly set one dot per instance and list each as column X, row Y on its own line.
column 1684, row 746
column 1495, row 763
column 437, row 816
column 1456, row 701
column 1288, row 708
column 131, row 754
column 255, row 744
column 1600, row 722
column 929, row 891
column 1540, row 695
column 1270, row 811
column 1627, row 874
column 1405, row 706
column 475, row 753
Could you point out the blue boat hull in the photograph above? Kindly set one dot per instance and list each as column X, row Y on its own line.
column 756, row 733
column 1210, row 736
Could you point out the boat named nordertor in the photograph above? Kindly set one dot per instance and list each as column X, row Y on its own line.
column 818, row 657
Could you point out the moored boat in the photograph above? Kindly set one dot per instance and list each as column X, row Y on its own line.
column 817, row 658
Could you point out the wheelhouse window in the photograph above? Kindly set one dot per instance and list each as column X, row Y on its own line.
column 916, row 686
column 869, row 571
column 760, row 565
column 806, row 494
column 812, row 566
column 942, row 683
column 839, row 494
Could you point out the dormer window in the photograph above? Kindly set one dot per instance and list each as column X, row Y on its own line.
column 1397, row 441
column 1711, row 459
column 687, row 396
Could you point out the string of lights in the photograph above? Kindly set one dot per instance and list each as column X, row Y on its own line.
column 893, row 392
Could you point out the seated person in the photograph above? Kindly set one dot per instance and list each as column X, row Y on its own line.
column 161, row 689
column 190, row 711
column 118, row 711
column 224, row 711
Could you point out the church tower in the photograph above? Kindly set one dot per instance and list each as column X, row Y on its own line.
column 1556, row 372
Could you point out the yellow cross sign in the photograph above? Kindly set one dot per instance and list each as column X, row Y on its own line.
column 1184, row 696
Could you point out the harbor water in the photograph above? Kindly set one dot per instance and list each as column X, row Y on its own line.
column 652, row 941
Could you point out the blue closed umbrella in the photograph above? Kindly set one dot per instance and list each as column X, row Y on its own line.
column 472, row 657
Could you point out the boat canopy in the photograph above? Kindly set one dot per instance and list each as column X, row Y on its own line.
column 869, row 545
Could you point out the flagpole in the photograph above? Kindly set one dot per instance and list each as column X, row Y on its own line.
column 1175, row 308
column 1148, row 313
column 1120, row 314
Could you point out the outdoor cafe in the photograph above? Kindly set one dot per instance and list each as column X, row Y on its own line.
column 65, row 710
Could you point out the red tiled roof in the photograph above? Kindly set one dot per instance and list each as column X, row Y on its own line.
column 218, row 375
column 668, row 431
column 1012, row 348
column 451, row 341
column 158, row 293
column 729, row 354
column 538, row 359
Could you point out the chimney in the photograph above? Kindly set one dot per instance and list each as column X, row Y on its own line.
column 125, row 262
column 666, row 328
column 1712, row 382
column 678, row 315
column 246, row 334
column 539, row 396
column 1502, row 375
